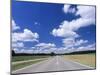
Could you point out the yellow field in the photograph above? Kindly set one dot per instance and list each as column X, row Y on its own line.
column 87, row 59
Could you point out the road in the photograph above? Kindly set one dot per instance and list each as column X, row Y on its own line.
column 56, row 63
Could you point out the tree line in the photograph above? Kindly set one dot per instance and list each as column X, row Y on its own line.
column 27, row 54
column 52, row 53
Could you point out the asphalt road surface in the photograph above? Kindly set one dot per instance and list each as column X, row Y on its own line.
column 56, row 63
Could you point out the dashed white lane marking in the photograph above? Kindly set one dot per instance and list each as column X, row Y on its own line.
column 57, row 61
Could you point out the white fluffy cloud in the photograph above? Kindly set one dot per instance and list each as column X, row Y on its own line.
column 30, row 51
column 65, row 30
column 14, row 26
column 87, row 14
column 83, row 11
column 86, row 11
column 80, row 42
column 88, row 47
column 68, row 9
column 68, row 42
column 17, row 44
column 71, row 42
column 45, row 45
column 26, row 35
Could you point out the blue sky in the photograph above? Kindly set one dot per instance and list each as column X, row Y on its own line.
column 50, row 27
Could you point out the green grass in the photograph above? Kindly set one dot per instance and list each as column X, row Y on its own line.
column 25, row 58
column 86, row 59
column 22, row 65
column 22, row 58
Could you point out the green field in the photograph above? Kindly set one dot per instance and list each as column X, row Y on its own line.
column 86, row 59
column 22, row 65
column 23, row 58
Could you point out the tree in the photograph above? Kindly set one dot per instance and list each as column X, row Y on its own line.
column 52, row 54
column 13, row 52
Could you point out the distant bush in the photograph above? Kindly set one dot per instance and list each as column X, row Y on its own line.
column 13, row 52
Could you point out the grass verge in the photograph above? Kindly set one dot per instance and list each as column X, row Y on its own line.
column 22, row 65
column 86, row 59
column 23, row 58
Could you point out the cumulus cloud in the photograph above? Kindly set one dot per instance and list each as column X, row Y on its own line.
column 30, row 51
column 45, row 45
column 17, row 44
column 64, row 30
column 68, row 42
column 87, row 15
column 86, row 11
column 71, row 42
column 80, row 42
column 67, row 29
column 83, row 11
column 44, row 48
column 88, row 47
column 14, row 26
column 67, row 9
column 26, row 35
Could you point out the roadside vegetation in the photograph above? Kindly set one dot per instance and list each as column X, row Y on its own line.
column 23, row 58
column 86, row 59
column 19, row 62
column 22, row 65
